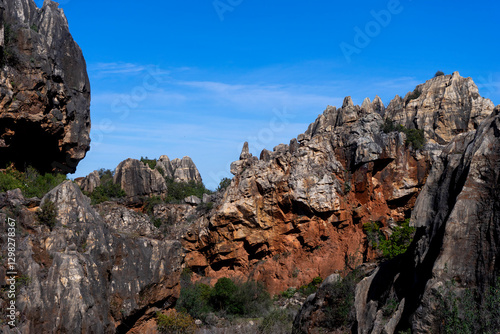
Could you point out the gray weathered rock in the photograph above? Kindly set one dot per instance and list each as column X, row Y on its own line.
column 90, row 182
column 193, row 200
column 458, row 227
column 446, row 106
column 179, row 170
column 138, row 180
column 185, row 170
column 89, row 274
column 44, row 89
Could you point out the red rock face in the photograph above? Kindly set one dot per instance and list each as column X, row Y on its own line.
column 299, row 211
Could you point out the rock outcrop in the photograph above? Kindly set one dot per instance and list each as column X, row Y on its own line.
column 457, row 238
column 443, row 107
column 138, row 180
column 298, row 212
column 90, row 273
column 44, row 89
column 90, row 182
column 179, row 170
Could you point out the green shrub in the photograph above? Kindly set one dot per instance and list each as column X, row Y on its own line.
column 226, row 297
column 31, row 182
column 8, row 181
column 107, row 190
column 438, row 74
column 223, row 184
column 340, row 299
column 396, row 244
column 150, row 162
column 279, row 320
column 289, row 293
column 175, row 322
column 47, row 213
column 37, row 185
column 399, row 240
column 414, row 137
column 194, row 299
column 413, row 95
column 373, row 233
column 250, row 299
column 471, row 311
column 312, row 287
column 151, row 202
column 178, row 191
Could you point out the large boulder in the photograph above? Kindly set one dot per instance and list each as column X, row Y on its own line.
column 179, row 170
column 44, row 89
column 138, row 180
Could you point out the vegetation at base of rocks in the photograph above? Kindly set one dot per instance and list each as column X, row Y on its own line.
column 279, row 320
column 396, row 244
column 223, row 184
column 178, row 191
column 340, row 300
column 414, row 137
column 226, row 298
column 304, row 290
column 47, row 213
column 175, row 322
column 107, row 190
column 438, row 74
column 470, row 311
column 31, row 182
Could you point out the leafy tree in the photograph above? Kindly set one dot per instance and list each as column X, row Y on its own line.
column 178, row 191
column 398, row 241
column 438, row 74
column 224, row 183
column 31, row 182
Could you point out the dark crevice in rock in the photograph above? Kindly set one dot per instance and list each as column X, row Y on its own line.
column 31, row 145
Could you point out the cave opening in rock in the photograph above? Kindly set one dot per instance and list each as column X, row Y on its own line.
column 27, row 144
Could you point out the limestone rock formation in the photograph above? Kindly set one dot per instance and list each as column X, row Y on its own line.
column 44, row 89
column 298, row 212
column 443, row 107
column 457, row 238
column 458, row 229
column 180, row 170
column 90, row 182
column 90, row 274
column 138, row 180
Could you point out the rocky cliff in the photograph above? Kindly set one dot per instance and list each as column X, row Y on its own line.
column 97, row 270
column 289, row 215
column 298, row 212
column 44, row 89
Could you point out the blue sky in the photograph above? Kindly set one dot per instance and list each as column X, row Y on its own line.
column 201, row 77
